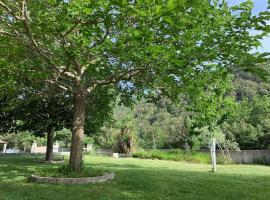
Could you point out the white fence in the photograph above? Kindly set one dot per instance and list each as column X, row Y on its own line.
column 8, row 151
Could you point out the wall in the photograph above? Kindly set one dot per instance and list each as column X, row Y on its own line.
column 249, row 156
column 42, row 149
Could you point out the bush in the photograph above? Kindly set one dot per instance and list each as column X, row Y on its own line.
column 177, row 155
column 63, row 137
column 65, row 172
column 262, row 161
column 22, row 140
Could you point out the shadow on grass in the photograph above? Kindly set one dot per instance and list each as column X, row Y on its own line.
column 20, row 168
column 134, row 182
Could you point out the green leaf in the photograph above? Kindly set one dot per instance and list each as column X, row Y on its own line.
column 143, row 13
column 264, row 13
column 87, row 11
column 168, row 19
column 195, row 3
column 171, row 4
column 158, row 9
column 136, row 33
column 265, row 54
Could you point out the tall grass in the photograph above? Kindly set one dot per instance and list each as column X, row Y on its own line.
column 178, row 155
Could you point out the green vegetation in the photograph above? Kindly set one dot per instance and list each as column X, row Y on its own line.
column 102, row 50
column 22, row 140
column 237, row 115
column 140, row 179
column 178, row 155
column 65, row 172
column 127, row 75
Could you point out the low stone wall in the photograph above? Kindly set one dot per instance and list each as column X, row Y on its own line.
column 73, row 181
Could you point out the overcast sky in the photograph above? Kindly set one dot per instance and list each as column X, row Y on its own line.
column 259, row 5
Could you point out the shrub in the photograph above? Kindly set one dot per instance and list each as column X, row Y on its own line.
column 65, row 172
column 22, row 140
column 261, row 161
column 63, row 137
column 177, row 155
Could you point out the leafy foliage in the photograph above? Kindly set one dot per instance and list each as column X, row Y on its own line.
column 177, row 155
column 63, row 137
column 22, row 140
column 65, row 172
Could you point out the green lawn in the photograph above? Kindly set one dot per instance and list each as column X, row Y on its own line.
column 140, row 179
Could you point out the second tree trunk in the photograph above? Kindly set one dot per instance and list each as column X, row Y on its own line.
column 50, row 137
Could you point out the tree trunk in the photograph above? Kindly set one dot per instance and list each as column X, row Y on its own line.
column 50, row 137
column 76, row 152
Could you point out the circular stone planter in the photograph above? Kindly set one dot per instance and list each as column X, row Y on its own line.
column 54, row 161
column 73, row 181
column 50, row 162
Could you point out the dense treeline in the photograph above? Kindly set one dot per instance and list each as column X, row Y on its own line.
column 163, row 124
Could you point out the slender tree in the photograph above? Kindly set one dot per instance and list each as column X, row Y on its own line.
column 35, row 110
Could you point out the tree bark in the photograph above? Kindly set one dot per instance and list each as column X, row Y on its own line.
column 76, row 152
column 49, row 150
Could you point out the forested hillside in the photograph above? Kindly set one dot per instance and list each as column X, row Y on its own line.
column 244, row 121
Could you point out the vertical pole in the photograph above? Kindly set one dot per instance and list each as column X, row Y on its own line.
column 5, row 148
column 154, row 140
column 213, row 155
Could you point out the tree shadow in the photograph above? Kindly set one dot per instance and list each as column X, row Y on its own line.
column 20, row 168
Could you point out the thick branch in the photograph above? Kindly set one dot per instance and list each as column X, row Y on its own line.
column 10, row 11
column 125, row 75
column 2, row 32
column 59, row 85
column 63, row 70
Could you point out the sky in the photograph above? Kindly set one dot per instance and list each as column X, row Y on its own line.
column 259, row 5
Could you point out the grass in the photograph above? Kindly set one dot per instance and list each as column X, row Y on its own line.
column 178, row 155
column 139, row 179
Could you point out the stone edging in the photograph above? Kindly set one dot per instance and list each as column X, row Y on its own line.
column 73, row 181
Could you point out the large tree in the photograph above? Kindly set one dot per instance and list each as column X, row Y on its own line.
column 132, row 45
column 42, row 110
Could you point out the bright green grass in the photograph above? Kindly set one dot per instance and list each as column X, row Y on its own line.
column 140, row 179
